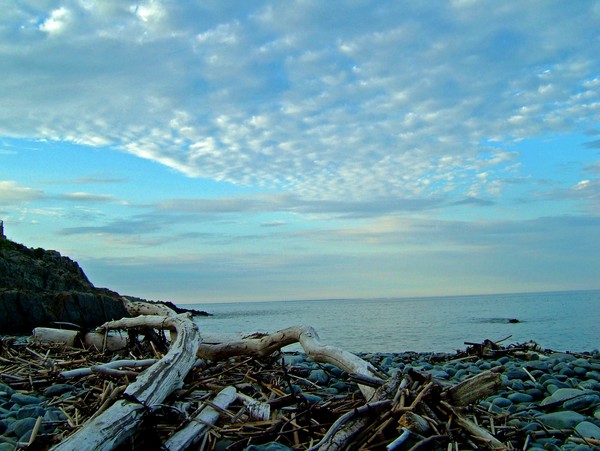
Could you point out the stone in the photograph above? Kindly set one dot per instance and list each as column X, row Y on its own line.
column 23, row 400
column 562, row 394
column 590, row 385
column 318, row 377
column 502, row 402
column 31, row 411
column 588, row 430
column 8, row 445
column 58, row 389
column 595, row 375
column 271, row 446
column 5, row 391
column 581, row 402
column 312, row 399
column 20, row 427
column 440, row 374
column 565, row 419
column 519, row 398
column 517, row 374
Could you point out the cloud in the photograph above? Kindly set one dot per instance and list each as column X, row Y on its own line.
column 593, row 144
column 91, row 198
column 11, row 192
column 326, row 103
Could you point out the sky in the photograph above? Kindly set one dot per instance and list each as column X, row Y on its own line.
column 219, row 150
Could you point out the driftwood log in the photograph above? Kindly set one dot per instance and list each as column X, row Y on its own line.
column 120, row 421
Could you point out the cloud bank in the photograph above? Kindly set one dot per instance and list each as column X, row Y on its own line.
column 325, row 100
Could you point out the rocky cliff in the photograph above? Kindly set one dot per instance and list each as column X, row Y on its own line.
column 39, row 287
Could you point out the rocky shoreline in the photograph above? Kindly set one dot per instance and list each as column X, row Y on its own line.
column 547, row 400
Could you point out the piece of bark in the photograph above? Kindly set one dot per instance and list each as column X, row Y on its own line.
column 476, row 431
column 120, row 421
column 345, row 429
column 195, row 430
column 471, row 390
column 308, row 339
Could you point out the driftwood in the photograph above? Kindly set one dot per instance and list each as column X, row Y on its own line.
column 119, row 422
column 408, row 411
column 308, row 339
column 201, row 423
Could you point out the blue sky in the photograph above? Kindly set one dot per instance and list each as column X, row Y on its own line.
column 228, row 151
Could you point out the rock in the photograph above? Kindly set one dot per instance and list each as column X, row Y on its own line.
column 21, row 427
column 8, row 445
column 502, row 402
column 23, row 310
column 272, row 446
column 5, row 391
column 519, row 398
column 312, row 399
column 38, row 287
column 23, row 400
column 595, row 375
column 319, row 377
column 562, row 394
column 58, row 389
column 581, row 402
column 31, row 411
column 565, row 419
column 588, row 430
column 517, row 374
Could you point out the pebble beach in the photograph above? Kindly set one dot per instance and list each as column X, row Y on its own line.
column 547, row 400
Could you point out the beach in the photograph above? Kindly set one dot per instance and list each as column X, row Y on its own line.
column 544, row 400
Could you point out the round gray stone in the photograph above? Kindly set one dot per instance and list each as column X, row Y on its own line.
column 20, row 427
column 565, row 419
column 588, row 430
column 24, row 400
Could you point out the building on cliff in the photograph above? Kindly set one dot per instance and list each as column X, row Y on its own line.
column 2, row 236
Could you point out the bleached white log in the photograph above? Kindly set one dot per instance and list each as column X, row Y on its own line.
column 195, row 430
column 106, row 341
column 79, row 372
column 120, row 421
column 308, row 339
column 50, row 335
column 136, row 308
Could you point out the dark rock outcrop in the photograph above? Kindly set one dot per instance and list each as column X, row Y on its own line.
column 23, row 310
column 39, row 287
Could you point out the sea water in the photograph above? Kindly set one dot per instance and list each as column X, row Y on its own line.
column 561, row 321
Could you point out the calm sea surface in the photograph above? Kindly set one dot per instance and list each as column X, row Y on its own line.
column 558, row 320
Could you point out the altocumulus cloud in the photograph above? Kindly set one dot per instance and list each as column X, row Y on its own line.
column 326, row 100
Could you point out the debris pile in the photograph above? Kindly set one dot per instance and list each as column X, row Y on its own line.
column 284, row 400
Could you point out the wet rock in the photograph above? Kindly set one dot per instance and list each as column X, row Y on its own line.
column 272, row 446
column 520, row 398
column 30, row 411
column 23, row 400
column 58, row 389
column 565, row 419
column 581, row 402
column 319, row 377
column 20, row 427
column 588, row 430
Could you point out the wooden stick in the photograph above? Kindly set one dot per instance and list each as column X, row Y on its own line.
column 201, row 423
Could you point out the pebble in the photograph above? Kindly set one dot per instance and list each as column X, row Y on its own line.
column 588, row 430
column 565, row 419
column 23, row 400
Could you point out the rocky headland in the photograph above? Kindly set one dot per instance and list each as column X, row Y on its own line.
column 41, row 287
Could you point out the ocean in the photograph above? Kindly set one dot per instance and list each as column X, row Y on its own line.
column 561, row 321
